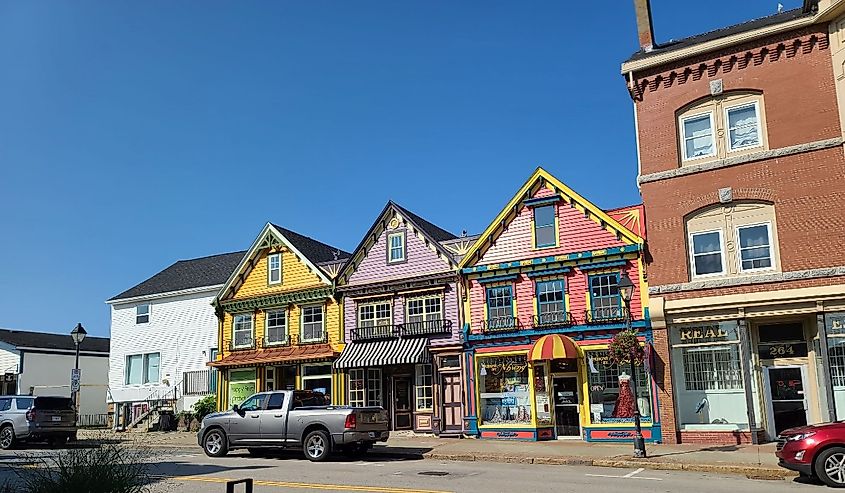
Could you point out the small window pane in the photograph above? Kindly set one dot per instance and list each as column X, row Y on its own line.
column 274, row 268
column 544, row 226
column 707, row 253
column 135, row 369
column 698, row 136
column 142, row 313
column 276, row 401
column 397, row 247
column 153, row 363
column 742, row 123
column 754, row 248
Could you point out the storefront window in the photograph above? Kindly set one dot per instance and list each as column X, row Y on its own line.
column 505, row 390
column 612, row 390
column 241, row 385
column 425, row 394
column 374, row 387
column 709, row 386
column 541, row 395
column 835, row 328
column 357, row 391
column 365, row 387
column 318, row 378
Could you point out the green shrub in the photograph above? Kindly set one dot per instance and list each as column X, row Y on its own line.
column 109, row 468
column 205, row 406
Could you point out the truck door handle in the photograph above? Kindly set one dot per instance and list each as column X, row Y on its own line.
column 253, row 415
column 278, row 415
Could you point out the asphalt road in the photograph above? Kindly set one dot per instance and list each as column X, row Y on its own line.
column 187, row 470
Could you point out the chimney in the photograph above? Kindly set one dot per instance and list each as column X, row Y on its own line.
column 644, row 29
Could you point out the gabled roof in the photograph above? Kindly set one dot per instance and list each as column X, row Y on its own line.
column 42, row 340
column 187, row 274
column 509, row 212
column 433, row 233
column 318, row 256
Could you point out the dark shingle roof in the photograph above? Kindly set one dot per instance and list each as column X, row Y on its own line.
column 751, row 25
column 437, row 233
column 187, row 274
column 41, row 340
column 316, row 251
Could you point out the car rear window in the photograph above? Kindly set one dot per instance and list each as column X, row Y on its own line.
column 53, row 403
column 23, row 403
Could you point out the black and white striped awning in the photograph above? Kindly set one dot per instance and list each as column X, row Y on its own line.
column 384, row 353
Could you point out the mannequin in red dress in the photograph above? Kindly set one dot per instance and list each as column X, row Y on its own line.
column 625, row 402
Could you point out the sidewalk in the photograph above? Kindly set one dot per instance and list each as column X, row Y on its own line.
column 757, row 461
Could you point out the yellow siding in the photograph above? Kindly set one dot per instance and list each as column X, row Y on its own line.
column 295, row 275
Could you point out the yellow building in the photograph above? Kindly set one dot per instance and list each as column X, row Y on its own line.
column 279, row 323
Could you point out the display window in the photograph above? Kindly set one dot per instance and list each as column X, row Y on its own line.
column 541, row 395
column 505, row 393
column 318, row 377
column 612, row 392
column 241, row 385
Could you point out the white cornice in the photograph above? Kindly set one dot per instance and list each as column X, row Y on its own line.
column 168, row 294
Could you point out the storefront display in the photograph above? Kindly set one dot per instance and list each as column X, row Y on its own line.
column 241, row 385
column 505, row 391
column 611, row 390
column 541, row 396
column 835, row 328
column 318, row 377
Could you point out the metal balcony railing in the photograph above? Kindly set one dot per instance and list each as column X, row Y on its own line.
column 198, row 382
column 425, row 328
column 271, row 342
column 501, row 324
column 605, row 315
column 552, row 319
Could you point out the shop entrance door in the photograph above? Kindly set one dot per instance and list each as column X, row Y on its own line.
column 451, row 385
column 402, row 403
column 787, row 403
column 567, row 422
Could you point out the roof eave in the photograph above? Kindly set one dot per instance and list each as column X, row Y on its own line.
column 165, row 294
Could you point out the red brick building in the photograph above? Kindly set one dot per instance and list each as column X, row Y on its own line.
column 742, row 174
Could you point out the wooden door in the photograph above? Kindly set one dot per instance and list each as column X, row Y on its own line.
column 451, row 385
column 402, row 399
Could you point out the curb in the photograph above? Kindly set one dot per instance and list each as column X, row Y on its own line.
column 755, row 472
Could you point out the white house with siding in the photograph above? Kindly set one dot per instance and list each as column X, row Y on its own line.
column 163, row 332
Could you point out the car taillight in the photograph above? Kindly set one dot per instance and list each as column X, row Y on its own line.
column 30, row 415
column 351, row 421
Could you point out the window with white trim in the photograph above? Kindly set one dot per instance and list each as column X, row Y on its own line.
column 142, row 368
column 142, row 313
column 312, row 323
column 242, row 333
column 707, row 253
column 374, row 395
column 712, row 367
column 424, row 388
column 544, row 226
column 755, row 243
column 374, row 314
column 276, row 327
column 274, row 268
column 425, row 309
column 357, row 388
column 396, row 247
column 724, row 126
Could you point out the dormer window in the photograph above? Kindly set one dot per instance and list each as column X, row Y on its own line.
column 396, row 247
column 274, row 268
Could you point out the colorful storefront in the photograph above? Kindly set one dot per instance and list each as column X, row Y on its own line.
column 541, row 304
column 280, row 325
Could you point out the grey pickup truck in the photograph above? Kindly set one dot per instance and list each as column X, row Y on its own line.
column 287, row 419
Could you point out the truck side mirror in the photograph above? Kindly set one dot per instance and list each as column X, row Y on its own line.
column 238, row 410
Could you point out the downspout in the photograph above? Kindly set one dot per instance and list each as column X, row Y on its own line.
column 636, row 127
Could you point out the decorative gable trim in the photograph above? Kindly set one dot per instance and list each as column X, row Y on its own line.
column 542, row 201
column 269, row 238
column 380, row 226
column 277, row 300
column 538, row 179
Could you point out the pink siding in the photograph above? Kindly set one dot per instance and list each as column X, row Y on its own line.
column 576, row 234
column 421, row 260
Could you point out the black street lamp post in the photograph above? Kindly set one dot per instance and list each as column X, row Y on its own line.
column 78, row 334
column 626, row 289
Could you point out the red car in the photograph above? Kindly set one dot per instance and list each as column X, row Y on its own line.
column 815, row 451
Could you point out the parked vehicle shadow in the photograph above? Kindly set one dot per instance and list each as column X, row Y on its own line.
column 808, row 481
column 723, row 448
column 377, row 454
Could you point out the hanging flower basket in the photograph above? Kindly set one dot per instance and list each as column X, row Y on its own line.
column 624, row 347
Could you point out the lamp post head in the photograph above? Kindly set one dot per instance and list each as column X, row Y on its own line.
column 78, row 333
column 626, row 288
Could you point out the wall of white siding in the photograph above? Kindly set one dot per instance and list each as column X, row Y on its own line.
column 9, row 360
column 49, row 374
column 183, row 329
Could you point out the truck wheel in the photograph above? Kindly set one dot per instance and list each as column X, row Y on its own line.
column 316, row 446
column 214, row 443
column 830, row 467
column 7, row 437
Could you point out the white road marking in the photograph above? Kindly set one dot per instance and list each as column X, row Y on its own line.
column 630, row 475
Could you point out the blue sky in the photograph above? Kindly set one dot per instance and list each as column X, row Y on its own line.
column 134, row 134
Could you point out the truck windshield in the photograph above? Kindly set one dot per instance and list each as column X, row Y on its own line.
column 307, row 398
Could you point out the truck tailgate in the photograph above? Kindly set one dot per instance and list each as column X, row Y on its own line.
column 371, row 419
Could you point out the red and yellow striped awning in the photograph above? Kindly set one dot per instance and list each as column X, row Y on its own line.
column 553, row 346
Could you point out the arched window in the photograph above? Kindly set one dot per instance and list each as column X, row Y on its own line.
column 723, row 126
column 732, row 239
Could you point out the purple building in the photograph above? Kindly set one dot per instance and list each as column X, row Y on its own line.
column 401, row 322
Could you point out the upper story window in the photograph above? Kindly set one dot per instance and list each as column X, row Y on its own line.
column 734, row 239
column 274, row 268
column 605, row 301
column 550, row 299
column 313, row 329
column 142, row 313
column 545, row 234
column 396, row 247
column 142, row 368
column 500, row 306
column 376, row 314
column 276, row 327
column 242, row 330
column 721, row 127
column 425, row 309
